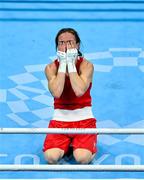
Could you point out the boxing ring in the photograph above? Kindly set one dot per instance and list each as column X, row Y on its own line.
column 112, row 39
column 74, row 167
column 70, row 167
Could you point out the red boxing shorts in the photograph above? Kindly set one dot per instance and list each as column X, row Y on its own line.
column 64, row 141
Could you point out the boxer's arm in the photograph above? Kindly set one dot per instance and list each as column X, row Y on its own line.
column 81, row 81
column 55, row 79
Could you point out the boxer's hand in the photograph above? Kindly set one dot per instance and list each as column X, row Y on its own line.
column 62, row 57
column 72, row 55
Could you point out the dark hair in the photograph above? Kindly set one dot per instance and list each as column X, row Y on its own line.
column 69, row 30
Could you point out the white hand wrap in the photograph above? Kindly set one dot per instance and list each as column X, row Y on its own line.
column 71, row 57
column 62, row 61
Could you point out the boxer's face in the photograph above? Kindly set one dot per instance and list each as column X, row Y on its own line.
column 67, row 41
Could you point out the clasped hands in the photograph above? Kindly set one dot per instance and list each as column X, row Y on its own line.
column 69, row 56
column 67, row 59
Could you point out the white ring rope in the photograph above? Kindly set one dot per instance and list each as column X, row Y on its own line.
column 17, row 167
column 71, row 131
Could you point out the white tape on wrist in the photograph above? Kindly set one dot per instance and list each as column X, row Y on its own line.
column 62, row 67
column 71, row 67
column 62, row 61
